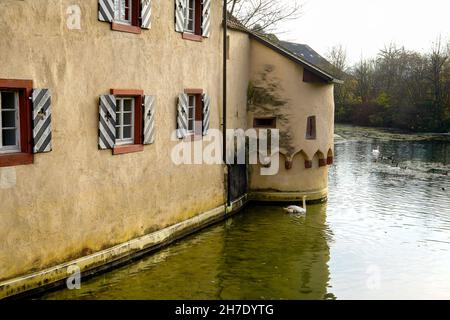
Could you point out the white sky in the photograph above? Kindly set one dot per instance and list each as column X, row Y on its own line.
column 365, row 26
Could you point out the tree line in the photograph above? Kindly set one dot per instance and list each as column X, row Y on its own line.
column 398, row 88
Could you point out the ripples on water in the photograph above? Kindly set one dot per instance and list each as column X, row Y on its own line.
column 384, row 234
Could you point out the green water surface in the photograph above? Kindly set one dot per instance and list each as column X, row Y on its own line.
column 383, row 234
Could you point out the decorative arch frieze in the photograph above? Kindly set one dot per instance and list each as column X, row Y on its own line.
column 330, row 157
column 323, row 160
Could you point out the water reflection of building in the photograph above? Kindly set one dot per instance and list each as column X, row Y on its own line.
column 263, row 254
column 270, row 255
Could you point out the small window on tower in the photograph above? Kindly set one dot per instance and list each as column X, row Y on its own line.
column 311, row 128
column 270, row 122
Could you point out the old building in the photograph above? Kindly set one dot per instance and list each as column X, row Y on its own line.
column 96, row 94
column 285, row 86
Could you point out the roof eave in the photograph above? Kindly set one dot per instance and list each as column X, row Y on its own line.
column 320, row 73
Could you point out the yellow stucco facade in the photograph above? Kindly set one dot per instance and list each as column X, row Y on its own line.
column 274, row 87
column 78, row 200
column 295, row 100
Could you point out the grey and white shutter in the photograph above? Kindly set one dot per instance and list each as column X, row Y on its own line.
column 206, row 113
column 149, row 119
column 182, row 116
column 42, row 120
column 206, row 18
column 146, row 14
column 107, row 122
column 106, row 10
column 180, row 15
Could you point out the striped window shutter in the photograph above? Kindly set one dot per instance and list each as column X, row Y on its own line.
column 206, row 18
column 149, row 119
column 42, row 120
column 182, row 116
column 180, row 7
column 206, row 113
column 146, row 14
column 106, row 10
column 107, row 122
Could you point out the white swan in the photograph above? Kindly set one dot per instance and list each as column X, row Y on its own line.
column 297, row 209
column 376, row 152
column 266, row 161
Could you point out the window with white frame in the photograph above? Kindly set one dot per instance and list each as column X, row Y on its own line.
column 124, row 9
column 125, row 120
column 191, row 113
column 9, row 122
column 190, row 16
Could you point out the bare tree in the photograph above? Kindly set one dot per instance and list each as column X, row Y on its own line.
column 389, row 65
column 364, row 73
column 264, row 15
column 438, row 58
column 337, row 56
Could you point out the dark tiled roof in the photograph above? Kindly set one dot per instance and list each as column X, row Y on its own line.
column 300, row 53
column 306, row 52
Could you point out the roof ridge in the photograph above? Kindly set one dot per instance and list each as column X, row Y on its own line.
column 262, row 37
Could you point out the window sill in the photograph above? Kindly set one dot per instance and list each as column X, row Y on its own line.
column 193, row 91
column 130, row 148
column 192, row 138
column 125, row 28
column 15, row 159
column 192, row 37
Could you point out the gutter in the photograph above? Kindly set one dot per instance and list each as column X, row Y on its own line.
column 224, row 104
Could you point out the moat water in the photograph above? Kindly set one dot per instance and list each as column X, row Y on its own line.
column 383, row 234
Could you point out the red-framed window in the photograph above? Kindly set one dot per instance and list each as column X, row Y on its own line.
column 193, row 20
column 16, row 140
column 195, row 112
column 126, row 16
column 129, row 121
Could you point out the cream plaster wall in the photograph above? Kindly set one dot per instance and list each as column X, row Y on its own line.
column 279, row 90
column 77, row 199
column 238, row 68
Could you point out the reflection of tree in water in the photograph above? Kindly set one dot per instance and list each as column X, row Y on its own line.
column 271, row 255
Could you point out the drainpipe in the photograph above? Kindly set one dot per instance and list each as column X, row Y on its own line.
column 224, row 102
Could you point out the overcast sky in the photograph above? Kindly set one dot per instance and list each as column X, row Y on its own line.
column 365, row 26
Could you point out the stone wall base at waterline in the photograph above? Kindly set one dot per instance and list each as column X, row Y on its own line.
column 273, row 196
column 118, row 255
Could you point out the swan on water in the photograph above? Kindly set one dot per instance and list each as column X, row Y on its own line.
column 297, row 209
column 376, row 152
